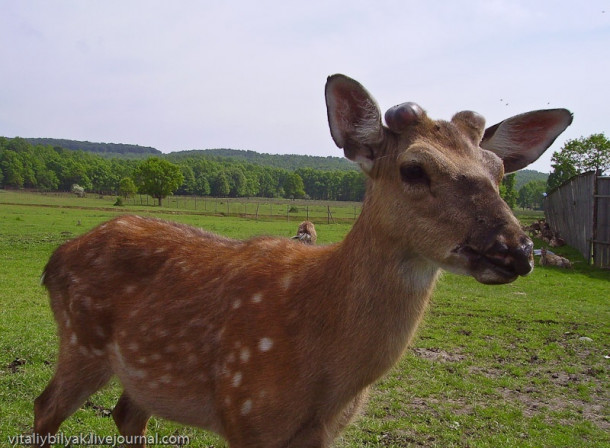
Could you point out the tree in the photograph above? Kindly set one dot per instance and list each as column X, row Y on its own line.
column 531, row 195
column 127, row 187
column 189, row 184
column 579, row 156
column 158, row 178
column 220, row 185
column 293, row 186
column 12, row 168
column 202, row 186
column 507, row 190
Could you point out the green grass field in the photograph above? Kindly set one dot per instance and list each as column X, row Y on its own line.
column 518, row 365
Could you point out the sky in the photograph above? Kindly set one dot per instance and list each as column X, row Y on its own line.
column 182, row 75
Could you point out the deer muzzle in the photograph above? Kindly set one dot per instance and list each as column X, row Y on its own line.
column 501, row 261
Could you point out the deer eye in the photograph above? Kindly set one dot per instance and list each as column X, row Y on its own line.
column 414, row 174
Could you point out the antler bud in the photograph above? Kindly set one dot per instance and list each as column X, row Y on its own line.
column 399, row 117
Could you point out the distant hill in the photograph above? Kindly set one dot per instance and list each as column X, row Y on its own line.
column 295, row 161
column 99, row 148
column 285, row 161
column 525, row 176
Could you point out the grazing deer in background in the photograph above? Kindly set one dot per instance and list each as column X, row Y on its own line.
column 271, row 343
column 551, row 259
column 306, row 233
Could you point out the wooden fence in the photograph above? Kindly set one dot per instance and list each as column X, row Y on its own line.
column 580, row 211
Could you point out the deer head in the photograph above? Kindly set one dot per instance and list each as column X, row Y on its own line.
column 434, row 185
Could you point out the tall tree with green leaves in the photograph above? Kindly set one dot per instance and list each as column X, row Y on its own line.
column 507, row 190
column 293, row 186
column 579, row 156
column 127, row 187
column 158, row 178
column 220, row 185
column 531, row 195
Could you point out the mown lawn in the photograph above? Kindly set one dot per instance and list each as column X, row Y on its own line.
column 524, row 364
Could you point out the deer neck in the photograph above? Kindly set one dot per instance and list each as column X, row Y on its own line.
column 384, row 295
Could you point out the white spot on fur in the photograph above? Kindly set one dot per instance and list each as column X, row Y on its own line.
column 129, row 289
column 136, row 373
column 265, row 344
column 161, row 332
column 237, row 379
column 100, row 331
column 155, row 356
column 86, row 301
column 73, row 339
column 166, row 379
column 244, row 355
column 83, row 350
column 184, row 266
column 98, row 352
column 287, row 281
column 257, row 298
column 246, row 407
column 236, row 304
column 133, row 346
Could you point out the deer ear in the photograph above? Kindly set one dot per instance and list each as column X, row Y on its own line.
column 471, row 123
column 521, row 139
column 354, row 119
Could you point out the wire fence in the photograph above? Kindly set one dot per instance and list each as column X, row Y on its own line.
column 252, row 208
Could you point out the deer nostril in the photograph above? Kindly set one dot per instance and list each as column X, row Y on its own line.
column 517, row 258
column 522, row 257
column 527, row 246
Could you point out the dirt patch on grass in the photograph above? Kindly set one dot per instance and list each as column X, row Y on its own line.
column 532, row 404
column 436, row 354
column 15, row 365
column 100, row 411
column 488, row 372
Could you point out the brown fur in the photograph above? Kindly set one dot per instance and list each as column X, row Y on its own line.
column 267, row 342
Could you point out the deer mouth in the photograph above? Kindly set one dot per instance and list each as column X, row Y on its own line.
column 493, row 268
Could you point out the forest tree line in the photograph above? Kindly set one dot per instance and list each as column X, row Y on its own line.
column 53, row 168
column 204, row 173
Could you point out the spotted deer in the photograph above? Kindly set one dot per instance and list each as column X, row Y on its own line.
column 306, row 233
column 272, row 343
